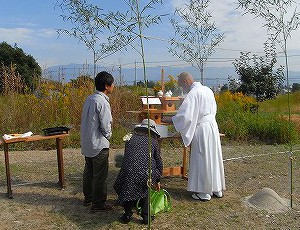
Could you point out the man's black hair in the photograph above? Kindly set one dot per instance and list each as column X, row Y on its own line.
column 102, row 79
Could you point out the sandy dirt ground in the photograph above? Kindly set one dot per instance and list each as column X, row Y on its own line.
column 38, row 202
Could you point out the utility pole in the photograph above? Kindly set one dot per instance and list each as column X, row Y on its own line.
column 134, row 73
column 120, row 75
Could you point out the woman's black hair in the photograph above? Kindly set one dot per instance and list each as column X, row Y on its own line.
column 102, row 79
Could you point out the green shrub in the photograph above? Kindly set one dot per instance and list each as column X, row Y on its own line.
column 281, row 105
column 117, row 137
column 271, row 128
column 244, row 125
column 231, row 121
column 61, row 105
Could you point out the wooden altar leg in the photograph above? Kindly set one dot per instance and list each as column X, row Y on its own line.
column 60, row 163
column 7, row 168
column 184, row 155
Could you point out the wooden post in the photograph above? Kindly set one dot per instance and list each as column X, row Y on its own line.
column 7, row 168
column 162, row 80
column 61, row 176
column 184, row 161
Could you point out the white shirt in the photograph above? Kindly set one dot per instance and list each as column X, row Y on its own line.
column 95, row 124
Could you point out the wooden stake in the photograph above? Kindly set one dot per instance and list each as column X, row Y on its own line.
column 162, row 80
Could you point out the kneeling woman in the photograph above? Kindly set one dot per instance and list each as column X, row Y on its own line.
column 131, row 183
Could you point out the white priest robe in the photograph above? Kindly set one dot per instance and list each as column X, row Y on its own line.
column 195, row 120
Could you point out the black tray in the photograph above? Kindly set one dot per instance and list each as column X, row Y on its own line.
column 55, row 130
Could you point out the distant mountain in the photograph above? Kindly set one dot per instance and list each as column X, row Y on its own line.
column 213, row 76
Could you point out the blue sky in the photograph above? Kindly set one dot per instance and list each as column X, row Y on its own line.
column 32, row 24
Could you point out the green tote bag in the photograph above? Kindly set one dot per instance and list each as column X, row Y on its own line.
column 160, row 201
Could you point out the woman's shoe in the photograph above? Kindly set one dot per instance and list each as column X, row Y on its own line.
column 145, row 219
column 125, row 218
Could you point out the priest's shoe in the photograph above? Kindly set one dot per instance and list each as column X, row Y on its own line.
column 201, row 196
column 218, row 194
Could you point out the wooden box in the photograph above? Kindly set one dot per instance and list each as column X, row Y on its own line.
column 168, row 103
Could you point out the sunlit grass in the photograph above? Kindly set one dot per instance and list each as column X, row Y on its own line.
column 239, row 117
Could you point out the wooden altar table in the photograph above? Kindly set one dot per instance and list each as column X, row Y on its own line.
column 58, row 137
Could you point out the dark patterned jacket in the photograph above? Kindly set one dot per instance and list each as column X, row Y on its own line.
column 131, row 183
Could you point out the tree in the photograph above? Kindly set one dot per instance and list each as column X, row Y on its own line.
column 281, row 20
column 257, row 76
column 224, row 88
column 24, row 64
column 196, row 37
column 90, row 24
column 295, row 87
column 119, row 29
column 233, row 85
column 82, row 80
column 140, row 84
column 128, row 27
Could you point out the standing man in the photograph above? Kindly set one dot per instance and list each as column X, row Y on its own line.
column 196, row 122
column 95, row 134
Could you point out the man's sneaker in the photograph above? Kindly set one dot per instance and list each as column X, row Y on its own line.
column 101, row 208
column 87, row 202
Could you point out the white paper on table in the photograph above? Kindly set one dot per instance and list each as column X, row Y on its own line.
column 12, row 136
column 28, row 134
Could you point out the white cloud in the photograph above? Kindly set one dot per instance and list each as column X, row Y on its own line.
column 46, row 33
column 43, row 44
column 25, row 36
column 243, row 32
column 15, row 35
column 178, row 3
